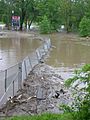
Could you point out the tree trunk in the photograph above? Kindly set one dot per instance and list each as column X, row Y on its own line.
column 22, row 19
column 31, row 22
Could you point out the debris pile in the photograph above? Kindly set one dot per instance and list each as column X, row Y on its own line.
column 43, row 91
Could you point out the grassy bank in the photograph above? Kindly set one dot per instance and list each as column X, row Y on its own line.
column 44, row 117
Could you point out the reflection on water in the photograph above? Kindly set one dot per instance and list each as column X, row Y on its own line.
column 69, row 51
column 12, row 50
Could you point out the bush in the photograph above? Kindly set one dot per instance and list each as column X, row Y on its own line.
column 80, row 109
column 84, row 27
column 45, row 25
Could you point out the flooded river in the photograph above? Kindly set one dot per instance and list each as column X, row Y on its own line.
column 14, row 49
column 69, row 52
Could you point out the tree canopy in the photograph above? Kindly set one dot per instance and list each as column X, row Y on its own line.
column 58, row 12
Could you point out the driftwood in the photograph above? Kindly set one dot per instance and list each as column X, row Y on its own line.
column 12, row 102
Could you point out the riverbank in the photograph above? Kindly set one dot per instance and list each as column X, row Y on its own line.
column 16, row 34
column 43, row 91
column 13, row 34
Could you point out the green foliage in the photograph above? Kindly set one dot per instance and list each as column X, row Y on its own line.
column 45, row 25
column 58, row 12
column 66, row 108
column 46, row 116
column 50, row 9
column 70, row 81
column 86, row 68
column 80, row 108
column 84, row 27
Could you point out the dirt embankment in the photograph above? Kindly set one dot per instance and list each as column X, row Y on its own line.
column 43, row 91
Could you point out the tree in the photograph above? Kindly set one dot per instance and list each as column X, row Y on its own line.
column 51, row 9
column 27, row 9
column 58, row 12
column 45, row 25
column 20, row 7
column 1, row 10
column 78, row 12
column 5, row 12
column 72, row 12
column 53, row 13
column 32, row 12
column 84, row 27
column 66, row 11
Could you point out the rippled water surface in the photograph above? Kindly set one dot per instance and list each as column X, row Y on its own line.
column 12, row 50
column 69, row 51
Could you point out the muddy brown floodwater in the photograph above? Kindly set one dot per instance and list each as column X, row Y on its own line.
column 15, row 47
column 69, row 52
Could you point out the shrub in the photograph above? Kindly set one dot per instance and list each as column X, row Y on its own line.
column 45, row 25
column 84, row 27
column 80, row 109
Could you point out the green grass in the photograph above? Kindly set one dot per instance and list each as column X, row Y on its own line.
column 46, row 116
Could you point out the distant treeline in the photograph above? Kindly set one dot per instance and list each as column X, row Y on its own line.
column 49, row 14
